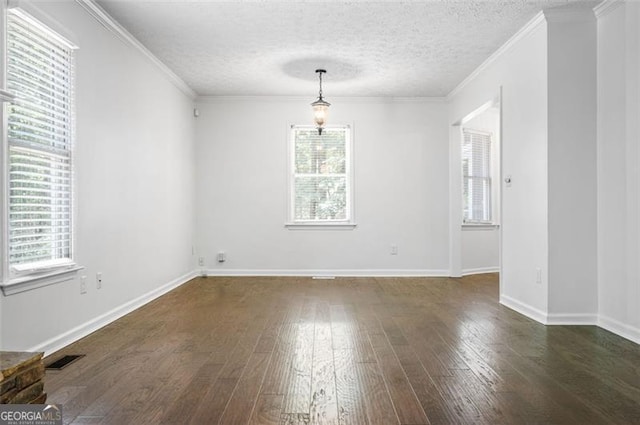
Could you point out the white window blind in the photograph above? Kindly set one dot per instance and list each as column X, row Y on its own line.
column 321, row 175
column 476, row 176
column 39, row 133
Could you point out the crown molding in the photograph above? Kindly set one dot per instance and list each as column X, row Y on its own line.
column 606, row 7
column 527, row 29
column 308, row 99
column 569, row 15
column 99, row 14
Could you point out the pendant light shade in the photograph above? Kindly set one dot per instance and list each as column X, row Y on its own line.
column 320, row 106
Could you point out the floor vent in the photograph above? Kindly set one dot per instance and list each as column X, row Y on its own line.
column 64, row 361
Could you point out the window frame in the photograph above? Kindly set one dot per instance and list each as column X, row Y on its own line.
column 346, row 224
column 12, row 280
column 489, row 178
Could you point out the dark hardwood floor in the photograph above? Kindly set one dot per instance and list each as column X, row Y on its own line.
column 346, row 351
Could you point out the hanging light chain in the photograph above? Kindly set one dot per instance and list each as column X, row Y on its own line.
column 320, row 106
column 320, row 72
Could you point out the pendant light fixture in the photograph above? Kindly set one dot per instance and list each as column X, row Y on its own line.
column 320, row 106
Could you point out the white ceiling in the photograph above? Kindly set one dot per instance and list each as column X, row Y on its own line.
column 381, row 48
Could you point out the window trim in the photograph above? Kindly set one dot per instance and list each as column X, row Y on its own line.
column 43, row 19
column 46, row 278
column 349, row 223
column 479, row 226
column 16, row 281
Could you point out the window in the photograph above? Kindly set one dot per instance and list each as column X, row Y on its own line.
column 320, row 176
column 39, row 134
column 476, row 176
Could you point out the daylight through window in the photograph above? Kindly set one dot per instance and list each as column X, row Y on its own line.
column 39, row 134
column 320, row 175
column 476, row 176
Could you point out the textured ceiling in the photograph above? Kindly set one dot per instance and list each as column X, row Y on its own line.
column 390, row 48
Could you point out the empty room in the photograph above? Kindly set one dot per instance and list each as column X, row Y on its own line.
column 320, row 212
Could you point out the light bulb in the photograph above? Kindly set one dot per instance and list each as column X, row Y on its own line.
column 320, row 113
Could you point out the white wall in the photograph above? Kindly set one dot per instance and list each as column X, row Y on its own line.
column 480, row 249
column 520, row 70
column 572, row 168
column 134, row 158
column 547, row 75
column 618, row 169
column 401, row 188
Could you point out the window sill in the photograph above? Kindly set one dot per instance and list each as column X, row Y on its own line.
column 479, row 226
column 34, row 281
column 320, row 226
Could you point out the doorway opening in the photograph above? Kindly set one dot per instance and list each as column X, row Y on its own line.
column 476, row 192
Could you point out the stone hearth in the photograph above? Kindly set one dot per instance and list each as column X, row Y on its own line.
column 21, row 378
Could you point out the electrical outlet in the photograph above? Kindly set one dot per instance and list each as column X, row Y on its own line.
column 222, row 257
column 394, row 249
column 99, row 280
column 539, row 276
column 83, row 285
column 201, row 261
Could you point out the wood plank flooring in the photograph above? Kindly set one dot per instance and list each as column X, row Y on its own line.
column 349, row 351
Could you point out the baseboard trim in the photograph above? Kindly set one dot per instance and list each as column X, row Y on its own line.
column 629, row 332
column 325, row 272
column 572, row 319
column 549, row 318
column 480, row 270
column 524, row 309
column 58, row 342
